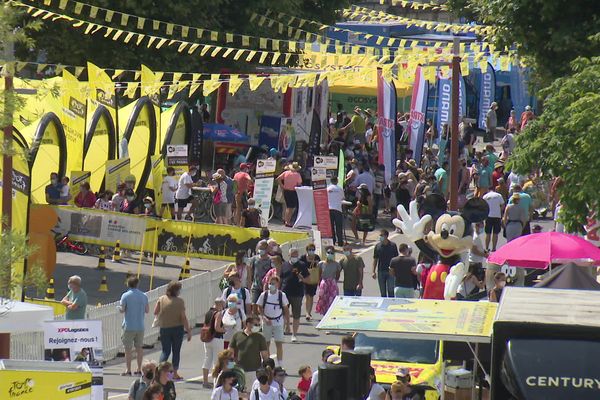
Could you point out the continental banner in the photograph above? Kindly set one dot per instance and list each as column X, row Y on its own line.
column 218, row 242
column 73, row 119
column 77, row 178
column 116, row 171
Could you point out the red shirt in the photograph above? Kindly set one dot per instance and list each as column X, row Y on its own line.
column 243, row 181
column 86, row 201
column 495, row 176
column 290, row 179
column 303, row 387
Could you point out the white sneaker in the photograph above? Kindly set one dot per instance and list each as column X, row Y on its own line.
column 294, row 339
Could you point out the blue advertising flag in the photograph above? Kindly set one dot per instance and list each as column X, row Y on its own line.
column 487, row 94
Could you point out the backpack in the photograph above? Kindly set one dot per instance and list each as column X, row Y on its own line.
column 264, row 304
column 243, row 290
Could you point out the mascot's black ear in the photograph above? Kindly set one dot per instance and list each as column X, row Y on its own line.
column 475, row 210
column 434, row 205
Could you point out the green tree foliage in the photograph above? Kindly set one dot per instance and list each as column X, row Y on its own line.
column 548, row 33
column 59, row 43
column 564, row 141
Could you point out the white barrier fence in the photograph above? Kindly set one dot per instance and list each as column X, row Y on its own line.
column 198, row 292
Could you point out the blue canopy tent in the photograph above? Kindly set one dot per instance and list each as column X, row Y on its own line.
column 226, row 139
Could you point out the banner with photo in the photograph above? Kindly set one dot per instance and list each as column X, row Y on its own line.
column 218, row 242
column 101, row 227
column 80, row 341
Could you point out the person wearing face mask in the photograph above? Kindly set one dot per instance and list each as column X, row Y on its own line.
column 279, row 375
column 118, row 199
column 235, row 287
column 86, row 198
column 139, row 386
column 264, row 391
column 293, row 275
column 259, row 266
column 240, row 267
column 232, row 319
column 214, row 347
column 276, row 263
column 226, row 391
column 169, row 187
column 53, row 189
column 311, row 260
column 274, row 311
column 183, row 195
column 164, row 376
column 353, row 267
column 149, row 210
column 225, row 363
column 250, row 348
column 495, row 294
column 273, row 247
column 130, row 205
column 76, row 299
column 330, row 275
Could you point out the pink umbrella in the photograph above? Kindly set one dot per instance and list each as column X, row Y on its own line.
column 539, row 250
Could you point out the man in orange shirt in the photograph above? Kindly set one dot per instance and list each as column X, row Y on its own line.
column 243, row 182
column 289, row 180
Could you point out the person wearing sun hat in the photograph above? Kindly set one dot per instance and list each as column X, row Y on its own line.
column 289, row 181
column 356, row 128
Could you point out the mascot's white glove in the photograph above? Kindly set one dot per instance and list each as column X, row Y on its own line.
column 412, row 226
column 454, row 278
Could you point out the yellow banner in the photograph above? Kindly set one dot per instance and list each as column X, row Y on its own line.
column 116, row 171
column 217, row 242
column 34, row 384
column 151, row 84
column 102, row 91
column 423, row 319
column 73, row 95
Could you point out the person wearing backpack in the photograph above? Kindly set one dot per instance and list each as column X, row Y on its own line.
column 235, row 287
column 212, row 339
column 139, row 386
column 274, row 310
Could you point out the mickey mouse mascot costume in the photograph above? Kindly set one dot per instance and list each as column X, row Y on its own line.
column 447, row 243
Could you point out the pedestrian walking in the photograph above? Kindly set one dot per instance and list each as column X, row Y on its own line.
column 134, row 306
column 264, row 391
column 293, row 275
column 250, row 348
column 353, row 267
column 75, row 300
column 259, row 266
column 163, row 376
column 240, row 266
column 335, row 196
column 139, row 386
column 274, row 311
column 242, row 294
column 212, row 340
column 493, row 222
column 514, row 218
column 491, row 123
column 330, row 275
column 232, row 318
column 171, row 318
column 226, row 391
column 311, row 259
column 403, row 268
column 384, row 251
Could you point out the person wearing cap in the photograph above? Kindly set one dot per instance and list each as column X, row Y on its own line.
column 497, row 174
column 243, row 181
column 526, row 117
column 356, row 128
column 514, row 218
column 212, row 348
column 491, row 122
column 219, row 190
column 149, row 209
column 289, row 181
column 183, row 195
column 526, row 204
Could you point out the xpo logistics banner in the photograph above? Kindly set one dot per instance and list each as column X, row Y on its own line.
column 386, row 125
column 418, row 109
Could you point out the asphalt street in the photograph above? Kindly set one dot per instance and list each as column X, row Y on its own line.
column 306, row 351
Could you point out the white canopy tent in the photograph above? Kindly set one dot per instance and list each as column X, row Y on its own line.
column 16, row 316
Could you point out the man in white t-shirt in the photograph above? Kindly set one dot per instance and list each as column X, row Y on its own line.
column 183, row 195
column 169, row 187
column 493, row 222
column 274, row 310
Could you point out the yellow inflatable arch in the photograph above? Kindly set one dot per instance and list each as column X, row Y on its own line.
column 47, row 153
column 100, row 145
column 140, row 133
